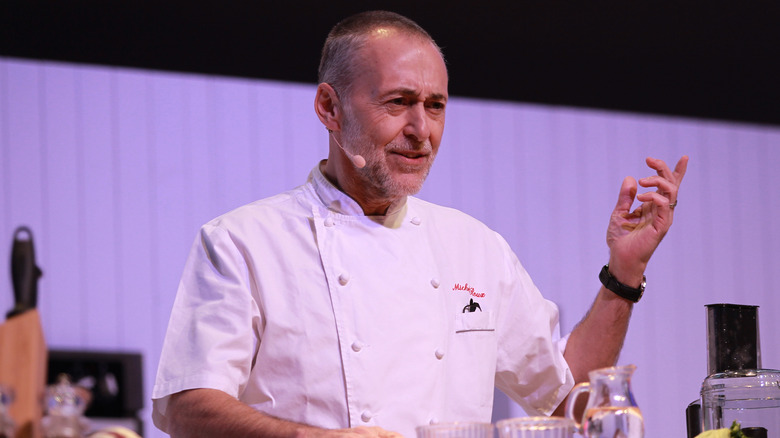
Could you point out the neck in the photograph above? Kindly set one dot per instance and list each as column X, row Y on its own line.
column 342, row 174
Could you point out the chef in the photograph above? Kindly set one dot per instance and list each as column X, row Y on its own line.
column 347, row 306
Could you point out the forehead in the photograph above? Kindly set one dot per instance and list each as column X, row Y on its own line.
column 393, row 59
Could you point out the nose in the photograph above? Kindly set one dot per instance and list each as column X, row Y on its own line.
column 417, row 123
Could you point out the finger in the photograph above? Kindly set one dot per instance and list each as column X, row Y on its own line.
column 626, row 195
column 662, row 184
column 680, row 168
column 383, row 433
column 667, row 182
column 660, row 167
column 657, row 199
column 663, row 170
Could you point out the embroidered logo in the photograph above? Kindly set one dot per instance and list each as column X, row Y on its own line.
column 472, row 306
column 469, row 289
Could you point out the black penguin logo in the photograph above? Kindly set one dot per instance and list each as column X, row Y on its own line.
column 471, row 306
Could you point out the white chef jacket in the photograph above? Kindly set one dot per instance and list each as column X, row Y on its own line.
column 306, row 309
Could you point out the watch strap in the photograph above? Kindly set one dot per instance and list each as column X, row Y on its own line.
column 633, row 294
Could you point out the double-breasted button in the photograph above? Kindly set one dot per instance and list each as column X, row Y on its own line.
column 366, row 416
column 329, row 222
column 357, row 346
column 435, row 283
column 416, row 220
column 439, row 353
column 344, row 278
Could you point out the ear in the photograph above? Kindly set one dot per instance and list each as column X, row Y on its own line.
column 328, row 107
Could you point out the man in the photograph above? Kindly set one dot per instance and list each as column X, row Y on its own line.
column 348, row 307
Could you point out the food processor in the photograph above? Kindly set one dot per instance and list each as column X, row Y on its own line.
column 737, row 388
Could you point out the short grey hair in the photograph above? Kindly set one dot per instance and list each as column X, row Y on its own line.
column 337, row 62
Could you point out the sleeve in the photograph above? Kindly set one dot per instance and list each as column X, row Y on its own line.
column 213, row 329
column 530, row 366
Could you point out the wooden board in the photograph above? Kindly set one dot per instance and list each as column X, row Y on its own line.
column 23, row 358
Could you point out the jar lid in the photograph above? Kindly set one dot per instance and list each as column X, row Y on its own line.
column 762, row 379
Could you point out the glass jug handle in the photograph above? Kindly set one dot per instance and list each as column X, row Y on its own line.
column 572, row 400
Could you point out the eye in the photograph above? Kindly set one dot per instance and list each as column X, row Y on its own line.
column 397, row 101
column 436, row 105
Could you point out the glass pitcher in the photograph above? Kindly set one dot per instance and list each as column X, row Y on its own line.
column 65, row 408
column 611, row 410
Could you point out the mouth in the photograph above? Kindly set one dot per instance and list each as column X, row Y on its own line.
column 410, row 154
column 410, row 158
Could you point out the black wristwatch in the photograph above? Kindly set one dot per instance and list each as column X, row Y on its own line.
column 633, row 294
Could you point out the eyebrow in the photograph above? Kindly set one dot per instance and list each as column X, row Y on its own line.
column 412, row 92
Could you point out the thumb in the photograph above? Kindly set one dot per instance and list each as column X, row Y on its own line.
column 626, row 195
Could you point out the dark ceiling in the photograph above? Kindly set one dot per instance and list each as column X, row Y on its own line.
column 715, row 60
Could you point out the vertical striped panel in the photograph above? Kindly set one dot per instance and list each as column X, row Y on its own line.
column 96, row 137
column 134, row 188
column 5, row 154
column 60, row 188
column 306, row 136
column 22, row 150
column 270, row 138
column 170, row 199
column 116, row 169
column 230, row 147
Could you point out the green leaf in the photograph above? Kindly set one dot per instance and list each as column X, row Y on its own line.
column 736, row 431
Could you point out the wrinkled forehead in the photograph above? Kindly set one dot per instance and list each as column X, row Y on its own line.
column 377, row 52
column 390, row 33
column 389, row 45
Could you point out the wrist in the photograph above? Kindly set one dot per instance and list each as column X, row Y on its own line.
column 628, row 292
column 630, row 274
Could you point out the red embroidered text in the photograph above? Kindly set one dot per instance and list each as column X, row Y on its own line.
column 468, row 289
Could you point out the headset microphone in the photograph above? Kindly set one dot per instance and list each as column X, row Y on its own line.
column 357, row 160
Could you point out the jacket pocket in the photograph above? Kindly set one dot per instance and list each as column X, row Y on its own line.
column 475, row 321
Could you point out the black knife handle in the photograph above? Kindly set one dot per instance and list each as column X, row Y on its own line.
column 24, row 272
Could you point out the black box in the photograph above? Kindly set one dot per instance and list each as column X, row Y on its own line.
column 115, row 379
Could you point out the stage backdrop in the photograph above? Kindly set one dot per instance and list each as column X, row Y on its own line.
column 115, row 169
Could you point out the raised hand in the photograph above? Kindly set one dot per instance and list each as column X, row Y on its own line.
column 633, row 236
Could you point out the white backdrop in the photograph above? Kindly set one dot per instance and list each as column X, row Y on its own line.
column 115, row 169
